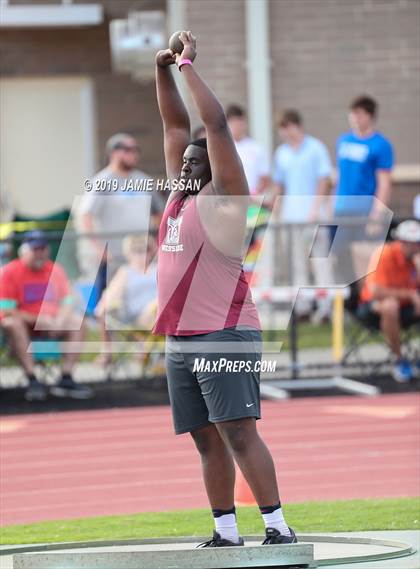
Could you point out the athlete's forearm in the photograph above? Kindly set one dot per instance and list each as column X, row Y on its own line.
column 210, row 110
column 171, row 106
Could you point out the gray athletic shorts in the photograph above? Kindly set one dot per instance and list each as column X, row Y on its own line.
column 212, row 377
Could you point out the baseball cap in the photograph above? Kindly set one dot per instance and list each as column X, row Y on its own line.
column 408, row 230
column 36, row 238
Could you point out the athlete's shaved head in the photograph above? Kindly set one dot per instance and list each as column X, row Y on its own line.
column 201, row 142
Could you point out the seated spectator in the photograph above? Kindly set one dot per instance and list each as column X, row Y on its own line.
column 35, row 301
column 131, row 295
column 390, row 295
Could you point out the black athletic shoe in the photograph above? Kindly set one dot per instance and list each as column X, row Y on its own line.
column 36, row 391
column 274, row 537
column 67, row 387
column 218, row 541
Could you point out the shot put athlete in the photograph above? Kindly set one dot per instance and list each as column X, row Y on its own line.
column 205, row 306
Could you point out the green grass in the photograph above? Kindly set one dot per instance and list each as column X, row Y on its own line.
column 353, row 515
column 308, row 336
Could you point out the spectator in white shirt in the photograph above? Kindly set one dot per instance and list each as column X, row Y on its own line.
column 253, row 155
column 302, row 173
column 119, row 203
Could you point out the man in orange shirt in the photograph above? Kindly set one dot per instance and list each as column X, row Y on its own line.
column 390, row 296
column 35, row 295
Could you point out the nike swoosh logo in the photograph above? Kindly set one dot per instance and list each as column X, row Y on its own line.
column 250, row 405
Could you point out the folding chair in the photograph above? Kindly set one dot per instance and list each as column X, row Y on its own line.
column 151, row 363
column 361, row 332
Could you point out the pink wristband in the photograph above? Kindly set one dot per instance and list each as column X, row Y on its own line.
column 184, row 62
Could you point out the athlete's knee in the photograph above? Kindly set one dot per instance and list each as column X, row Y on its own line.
column 13, row 323
column 206, row 439
column 239, row 434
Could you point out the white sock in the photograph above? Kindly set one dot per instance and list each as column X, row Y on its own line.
column 276, row 520
column 227, row 527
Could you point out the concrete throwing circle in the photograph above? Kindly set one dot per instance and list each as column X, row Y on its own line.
column 180, row 553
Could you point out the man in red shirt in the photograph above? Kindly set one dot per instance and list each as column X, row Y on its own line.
column 390, row 295
column 35, row 299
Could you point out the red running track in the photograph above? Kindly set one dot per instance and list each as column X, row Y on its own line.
column 121, row 461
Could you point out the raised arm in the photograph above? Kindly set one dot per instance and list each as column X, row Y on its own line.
column 176, row 123
column 227, row 172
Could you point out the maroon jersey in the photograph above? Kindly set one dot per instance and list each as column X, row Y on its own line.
column 200, row 290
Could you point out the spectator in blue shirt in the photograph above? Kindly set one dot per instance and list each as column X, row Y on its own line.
column 302, row 174
column 364, row 161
